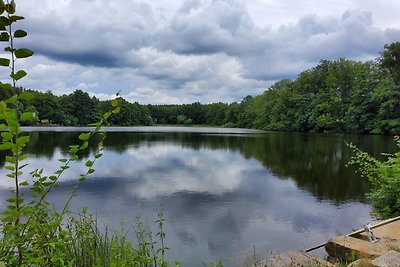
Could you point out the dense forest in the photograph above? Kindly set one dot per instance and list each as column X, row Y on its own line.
column 335, row 96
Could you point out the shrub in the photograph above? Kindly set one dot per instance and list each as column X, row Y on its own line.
column 385, row 179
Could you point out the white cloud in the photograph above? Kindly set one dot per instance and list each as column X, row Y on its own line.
column 199, row 50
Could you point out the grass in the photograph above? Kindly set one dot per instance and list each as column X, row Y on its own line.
column 90, row 247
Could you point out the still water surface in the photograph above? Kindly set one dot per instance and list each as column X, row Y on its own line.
column 223, row 191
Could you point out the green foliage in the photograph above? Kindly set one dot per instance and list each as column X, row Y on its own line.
column 385, row 179
column 81, row 106
column 183, row 120
column 335, row 96
column 390, row 60
column 129, row 115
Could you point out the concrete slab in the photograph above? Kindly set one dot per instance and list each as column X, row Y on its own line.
column 389, row 231
column 350, row 248
column 357, row 245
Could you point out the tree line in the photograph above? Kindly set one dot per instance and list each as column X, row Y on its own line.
column 335, row 96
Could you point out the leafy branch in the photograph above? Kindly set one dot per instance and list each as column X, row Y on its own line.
column 384, row 177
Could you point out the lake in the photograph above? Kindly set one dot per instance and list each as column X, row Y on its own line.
column 223, row 192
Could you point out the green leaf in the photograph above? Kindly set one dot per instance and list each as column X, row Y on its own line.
column 73, row 150
column 10, row 160
column 7, row 136
column 63, row 160
column 11, row 100
column 4, row 37
column 20, row 33
column 6, row 146
column 89, row 163
column 4, row 21
column 10, row 8
column 22, row 157
column 114, row 103
column 116, row 110
column 15, row 128
column 27, row 116
column 90, row 171
column 6, row 86
column 3, row 107
column 4, row 62
column 24, row 183
column 22, row 166
column 53, row 178
column 98, row 155
column 16, row 18
column 23, row 140
column 25, row 95
column 9, row 49
column 23, row 53
column 106, row 115
column 9, row 167
column 84, row 136
column 11, row 115
column 19, row 75
column 2, row 8
column 11, row 200
column 84, row 145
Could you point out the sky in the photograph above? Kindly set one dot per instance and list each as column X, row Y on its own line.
column 175, row 51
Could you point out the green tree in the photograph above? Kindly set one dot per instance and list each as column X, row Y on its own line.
column 232, row 114
column 131, row 114
column 47, row 107
column 387, row 98
column 182, row 119
column 390, row 60
column 361, row 112
column 215, row 113
column 79, row 108
column 195, row 112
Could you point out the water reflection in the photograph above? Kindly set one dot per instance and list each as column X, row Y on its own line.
column 221, row 193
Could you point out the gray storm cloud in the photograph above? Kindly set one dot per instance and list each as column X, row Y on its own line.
column 204, row 51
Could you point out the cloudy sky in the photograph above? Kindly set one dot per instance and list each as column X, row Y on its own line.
column 175, row 51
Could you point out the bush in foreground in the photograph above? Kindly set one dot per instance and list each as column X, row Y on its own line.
column 385, row 179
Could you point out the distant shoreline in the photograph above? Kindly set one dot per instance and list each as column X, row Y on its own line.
column 151, row 129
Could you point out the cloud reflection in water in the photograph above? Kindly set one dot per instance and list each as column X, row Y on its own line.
column 218, row 204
